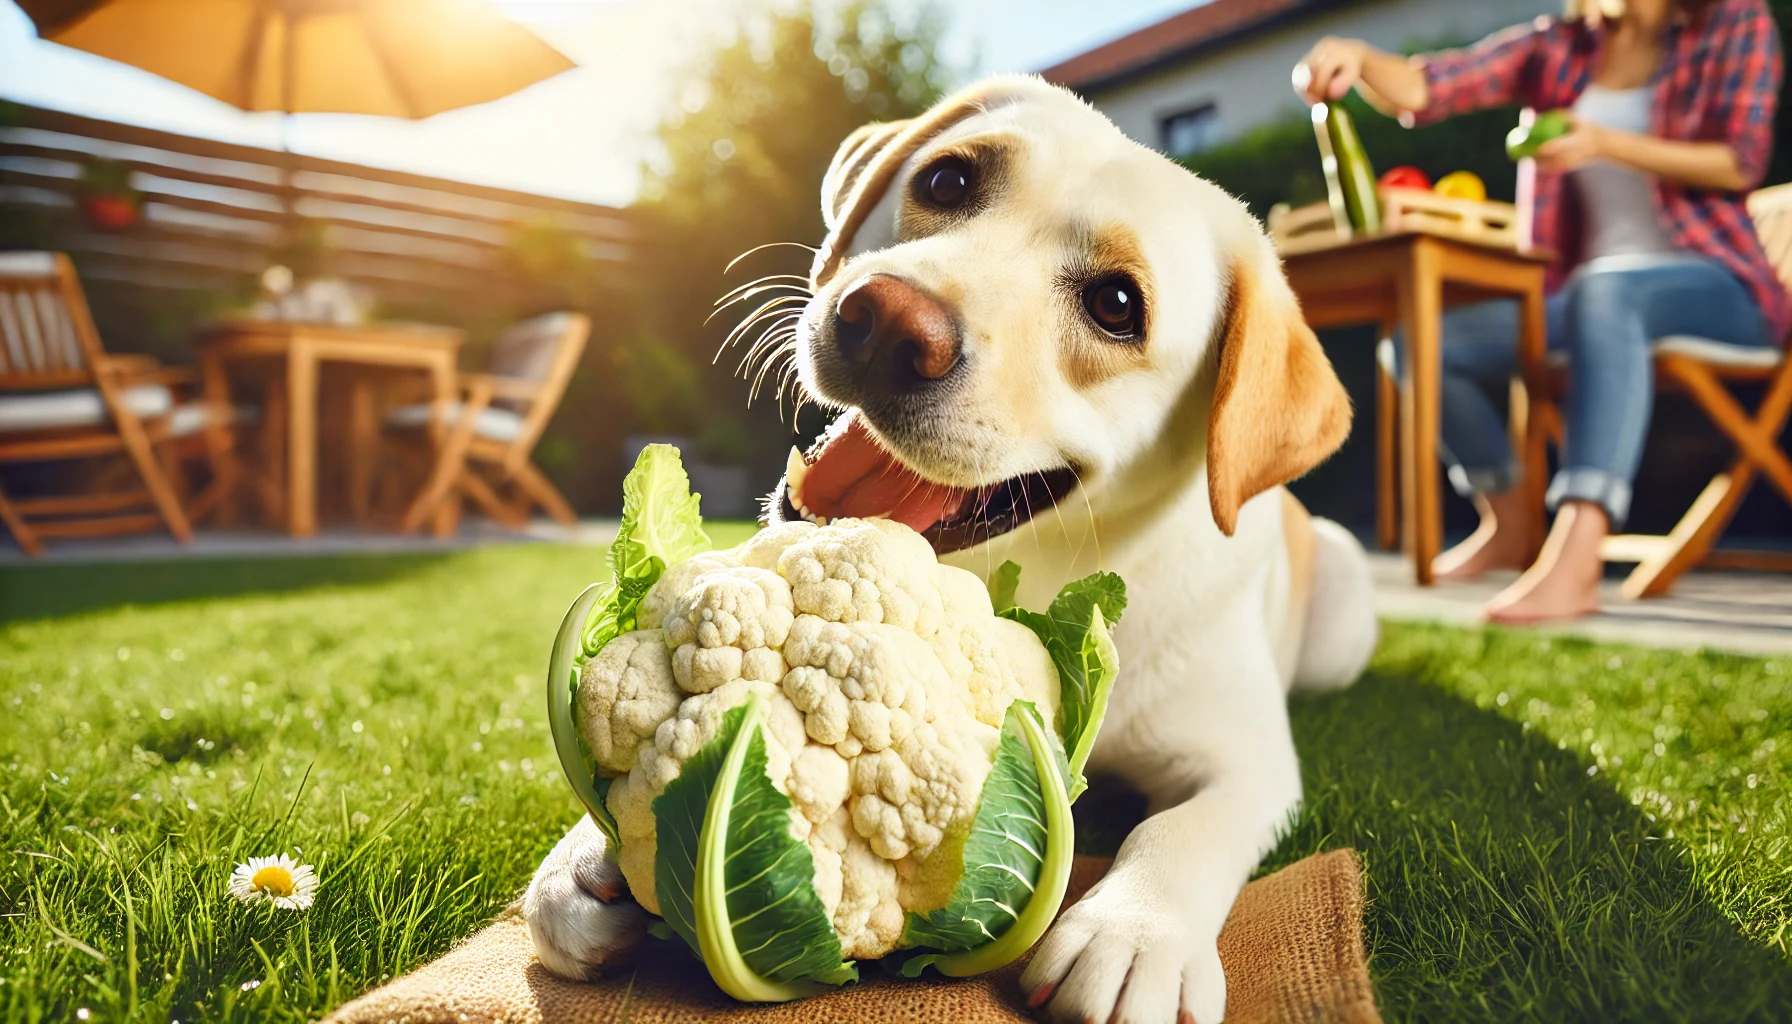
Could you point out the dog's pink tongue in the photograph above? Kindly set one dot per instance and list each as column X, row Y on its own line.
column 855, row 477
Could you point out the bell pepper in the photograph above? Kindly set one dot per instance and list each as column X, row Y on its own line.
column 1461, row 185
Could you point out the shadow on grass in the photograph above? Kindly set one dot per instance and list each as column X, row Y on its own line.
column 1504, row 882
column 50, row 589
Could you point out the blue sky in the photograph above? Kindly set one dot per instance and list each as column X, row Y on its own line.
column 580, row 135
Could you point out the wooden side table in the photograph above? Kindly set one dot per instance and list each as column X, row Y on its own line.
column 1409, row 278
column 302, row 348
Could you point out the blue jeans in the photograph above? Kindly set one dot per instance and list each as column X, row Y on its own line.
column 1603, row 320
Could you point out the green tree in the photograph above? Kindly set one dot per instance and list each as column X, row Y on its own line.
column 739, row 160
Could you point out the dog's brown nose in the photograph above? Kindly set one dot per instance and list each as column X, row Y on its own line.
column 888, row 324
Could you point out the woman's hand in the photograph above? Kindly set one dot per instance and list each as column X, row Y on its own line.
column 1330, row 68
column 1584, row 143
column 1389, row 82
column 1709, row 165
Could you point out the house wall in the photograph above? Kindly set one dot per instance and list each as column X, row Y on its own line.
column 1248, row 80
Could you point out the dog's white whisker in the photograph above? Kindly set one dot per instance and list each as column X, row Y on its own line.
column 761, row 285
column 1094, row 531
column 796, row 302
column 768, row 313
column 1032, row 520
column 767, row 323
column 779, row 334
column 769, row 308
column 787, row 293
column 778, row 331
column 1063, row 528
column 797, row 281
column 767, row 245
column 784, row 348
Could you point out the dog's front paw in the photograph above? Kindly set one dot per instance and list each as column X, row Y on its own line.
column 1109, row 958
column 578, row 910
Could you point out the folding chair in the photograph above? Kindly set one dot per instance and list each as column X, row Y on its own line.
column 1702, row 368
column 63, row 397
column 493, row 428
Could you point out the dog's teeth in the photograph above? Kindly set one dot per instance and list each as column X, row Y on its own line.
column 803, row 510
column 795, row 469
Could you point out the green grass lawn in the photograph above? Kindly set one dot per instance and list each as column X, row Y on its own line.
column 1553, row 830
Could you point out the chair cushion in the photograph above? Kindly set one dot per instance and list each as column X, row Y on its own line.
column 190, row 418
column 1718, row 353
column 500, row 425
column 81, row 407
column 27, row 264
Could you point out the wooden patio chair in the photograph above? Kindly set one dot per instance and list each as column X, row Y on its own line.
column 63, row 397
column 494, row 426
column 1704, row 370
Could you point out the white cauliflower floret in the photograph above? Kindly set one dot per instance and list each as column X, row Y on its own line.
column 675, row 581
column 998, row 660
column 723, row 618
column 764, row 548
column 885, row 679
column 624, row 694
column 865, row 571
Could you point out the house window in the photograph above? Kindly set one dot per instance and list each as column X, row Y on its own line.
column 1191, row 131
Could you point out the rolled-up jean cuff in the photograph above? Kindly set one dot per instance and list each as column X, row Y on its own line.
column 1468, row 482
column 1581, row 483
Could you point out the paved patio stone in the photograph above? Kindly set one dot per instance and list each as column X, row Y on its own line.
column 1736, row 611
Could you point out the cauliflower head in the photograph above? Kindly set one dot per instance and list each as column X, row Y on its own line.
column 823, row 745
column 885, row 675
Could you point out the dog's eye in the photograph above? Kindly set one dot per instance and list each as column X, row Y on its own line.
column 1113, row 303
column 946, row 183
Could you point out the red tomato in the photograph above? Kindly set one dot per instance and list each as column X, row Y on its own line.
column 1405, row 177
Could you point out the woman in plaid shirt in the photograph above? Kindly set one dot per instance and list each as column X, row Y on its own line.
column 1673, row 104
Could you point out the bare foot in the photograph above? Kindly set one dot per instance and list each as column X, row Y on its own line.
column 1564, row 582
column 1484, row 550
column 1489, row 547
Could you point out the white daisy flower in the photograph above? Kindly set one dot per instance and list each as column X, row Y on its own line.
column 277, row 880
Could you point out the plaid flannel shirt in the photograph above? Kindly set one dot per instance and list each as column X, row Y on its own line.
column 1719, row 81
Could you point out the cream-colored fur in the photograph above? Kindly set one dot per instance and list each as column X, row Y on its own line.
column 1181, row 441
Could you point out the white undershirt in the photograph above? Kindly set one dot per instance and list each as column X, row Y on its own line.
column 1618, row 203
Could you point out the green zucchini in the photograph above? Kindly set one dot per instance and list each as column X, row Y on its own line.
column 1356, row 176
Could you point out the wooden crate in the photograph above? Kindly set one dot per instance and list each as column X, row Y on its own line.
column 1305, row 228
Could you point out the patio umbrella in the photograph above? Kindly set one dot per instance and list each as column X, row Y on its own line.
column 396, row 58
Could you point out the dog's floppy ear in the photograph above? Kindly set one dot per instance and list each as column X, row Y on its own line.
column 854, row 157
column 1278, row 408
column 869, row 159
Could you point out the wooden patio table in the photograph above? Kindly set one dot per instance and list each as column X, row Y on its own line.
column 303, row 347
column 1409, row 278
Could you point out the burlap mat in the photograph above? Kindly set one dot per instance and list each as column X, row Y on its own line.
column 1292, row 950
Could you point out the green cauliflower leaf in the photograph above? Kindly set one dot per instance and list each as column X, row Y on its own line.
column 1016, row 860
column 1076, row 635
column 733, row 882
column 661, row 526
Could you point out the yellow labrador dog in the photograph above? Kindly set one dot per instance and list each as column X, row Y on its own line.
column 1055, row 346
